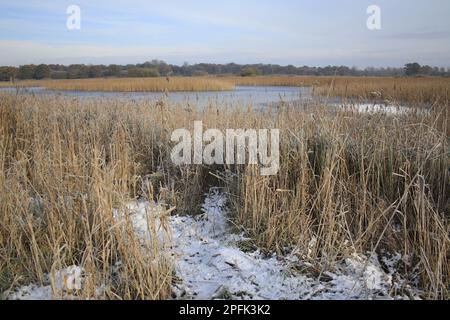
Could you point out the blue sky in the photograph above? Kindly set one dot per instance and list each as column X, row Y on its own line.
column 301, row 32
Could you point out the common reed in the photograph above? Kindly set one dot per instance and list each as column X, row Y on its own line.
column 411, row 90
column 349, row 183
column 356, row 183
column 65, row 168
column 170, row 84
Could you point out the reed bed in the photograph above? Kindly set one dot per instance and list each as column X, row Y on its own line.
column 418, row 91
column 65, row 168
column 355, row 183
column 426, row 90
column 169, row 84
column 348, row 183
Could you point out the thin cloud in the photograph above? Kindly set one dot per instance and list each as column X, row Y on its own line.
column 288, row 32
column 421, row 35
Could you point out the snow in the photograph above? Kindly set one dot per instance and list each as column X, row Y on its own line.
column 210, row 265
column 361, row 278
column 32, row 292
column 66, row 282
column 376, row 108
column 69, row 279
column 147, row 219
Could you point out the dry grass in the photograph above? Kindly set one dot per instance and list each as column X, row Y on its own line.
column 64, row 169
column 348, row 182
column 355, row 183
column 171, row 84
column 427, row 90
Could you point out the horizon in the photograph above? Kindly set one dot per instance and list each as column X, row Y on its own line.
column 299, row 33
column 228, row 63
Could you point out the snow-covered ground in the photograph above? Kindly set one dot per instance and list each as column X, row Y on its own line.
column 210, row 265
column 64, row 282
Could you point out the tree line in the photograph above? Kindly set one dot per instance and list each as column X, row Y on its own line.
column 157, row 68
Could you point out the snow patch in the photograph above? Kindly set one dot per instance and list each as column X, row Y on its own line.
column 69, row 279
column 373, row 108
column 210, row 265
column 66, row 283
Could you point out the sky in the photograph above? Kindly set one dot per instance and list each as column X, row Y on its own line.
column 298, row 32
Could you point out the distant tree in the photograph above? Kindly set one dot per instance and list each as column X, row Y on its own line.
column 199, row 73
column 184, row 70
column 42, row 71
column 26, row 71
column 155, row 68
column 143, row 72
column 8, row 73
column 95, row 71
column 114, row 70
column 77, row 71
column 250, row 71
column 135, row 72
column 57, row 74
column 164, row 69
column 412, row 69
column 426, row 70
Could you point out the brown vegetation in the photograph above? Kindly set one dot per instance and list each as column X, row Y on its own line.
column 349, row 182
column 425, row 90
column 171, row 84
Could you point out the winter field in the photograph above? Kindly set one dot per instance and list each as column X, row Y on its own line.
column 92, row 207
